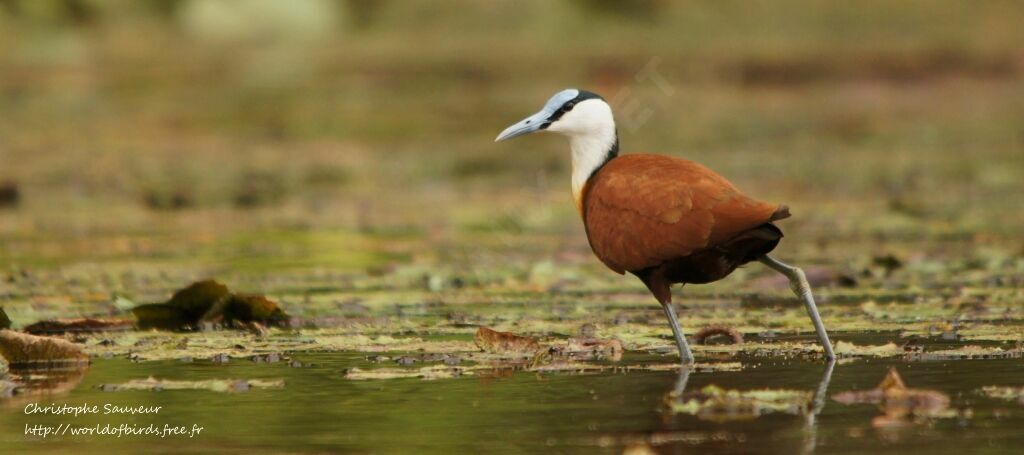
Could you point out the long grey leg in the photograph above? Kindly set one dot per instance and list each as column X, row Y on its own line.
column 798, row 282
column 684, row 348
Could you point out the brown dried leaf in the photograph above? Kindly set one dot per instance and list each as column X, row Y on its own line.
column 892, row 381
column 22, row 349
column 493, row 341
column 703, row 335
column 59, row 326
column 210, row 301
column 197, row 298
column 254, row 308
column 897, row 401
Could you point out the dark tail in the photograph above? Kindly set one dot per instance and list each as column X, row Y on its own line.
column 754, row 243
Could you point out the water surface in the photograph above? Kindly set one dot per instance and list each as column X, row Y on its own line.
column 320, row 410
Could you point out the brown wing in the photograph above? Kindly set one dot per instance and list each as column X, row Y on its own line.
column 641, row 210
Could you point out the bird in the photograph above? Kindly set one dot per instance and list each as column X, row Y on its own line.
column 664, row 219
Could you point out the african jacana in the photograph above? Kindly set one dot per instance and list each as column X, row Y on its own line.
column 664, row 219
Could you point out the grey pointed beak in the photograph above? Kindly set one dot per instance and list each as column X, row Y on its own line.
column 527, row 125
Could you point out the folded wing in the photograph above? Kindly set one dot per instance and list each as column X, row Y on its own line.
column 643, row 210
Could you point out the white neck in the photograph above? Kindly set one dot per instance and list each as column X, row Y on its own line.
column 589, row 152
column 590, row 127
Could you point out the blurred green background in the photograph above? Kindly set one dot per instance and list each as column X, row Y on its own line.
column 146, row 143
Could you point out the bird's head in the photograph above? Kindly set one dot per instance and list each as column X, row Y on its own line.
column 571, row 112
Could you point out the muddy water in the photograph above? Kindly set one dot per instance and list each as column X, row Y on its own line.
column 319, row 410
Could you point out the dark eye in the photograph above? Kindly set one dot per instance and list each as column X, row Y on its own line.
column 569, row 105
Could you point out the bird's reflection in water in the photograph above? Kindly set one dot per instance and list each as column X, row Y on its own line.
column 816, row 405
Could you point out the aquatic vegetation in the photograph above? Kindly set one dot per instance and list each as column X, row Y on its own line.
column 1004, row 393
column 973, row 352
column 213, row 385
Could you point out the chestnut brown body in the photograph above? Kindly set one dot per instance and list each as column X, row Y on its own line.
column 668, row 220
